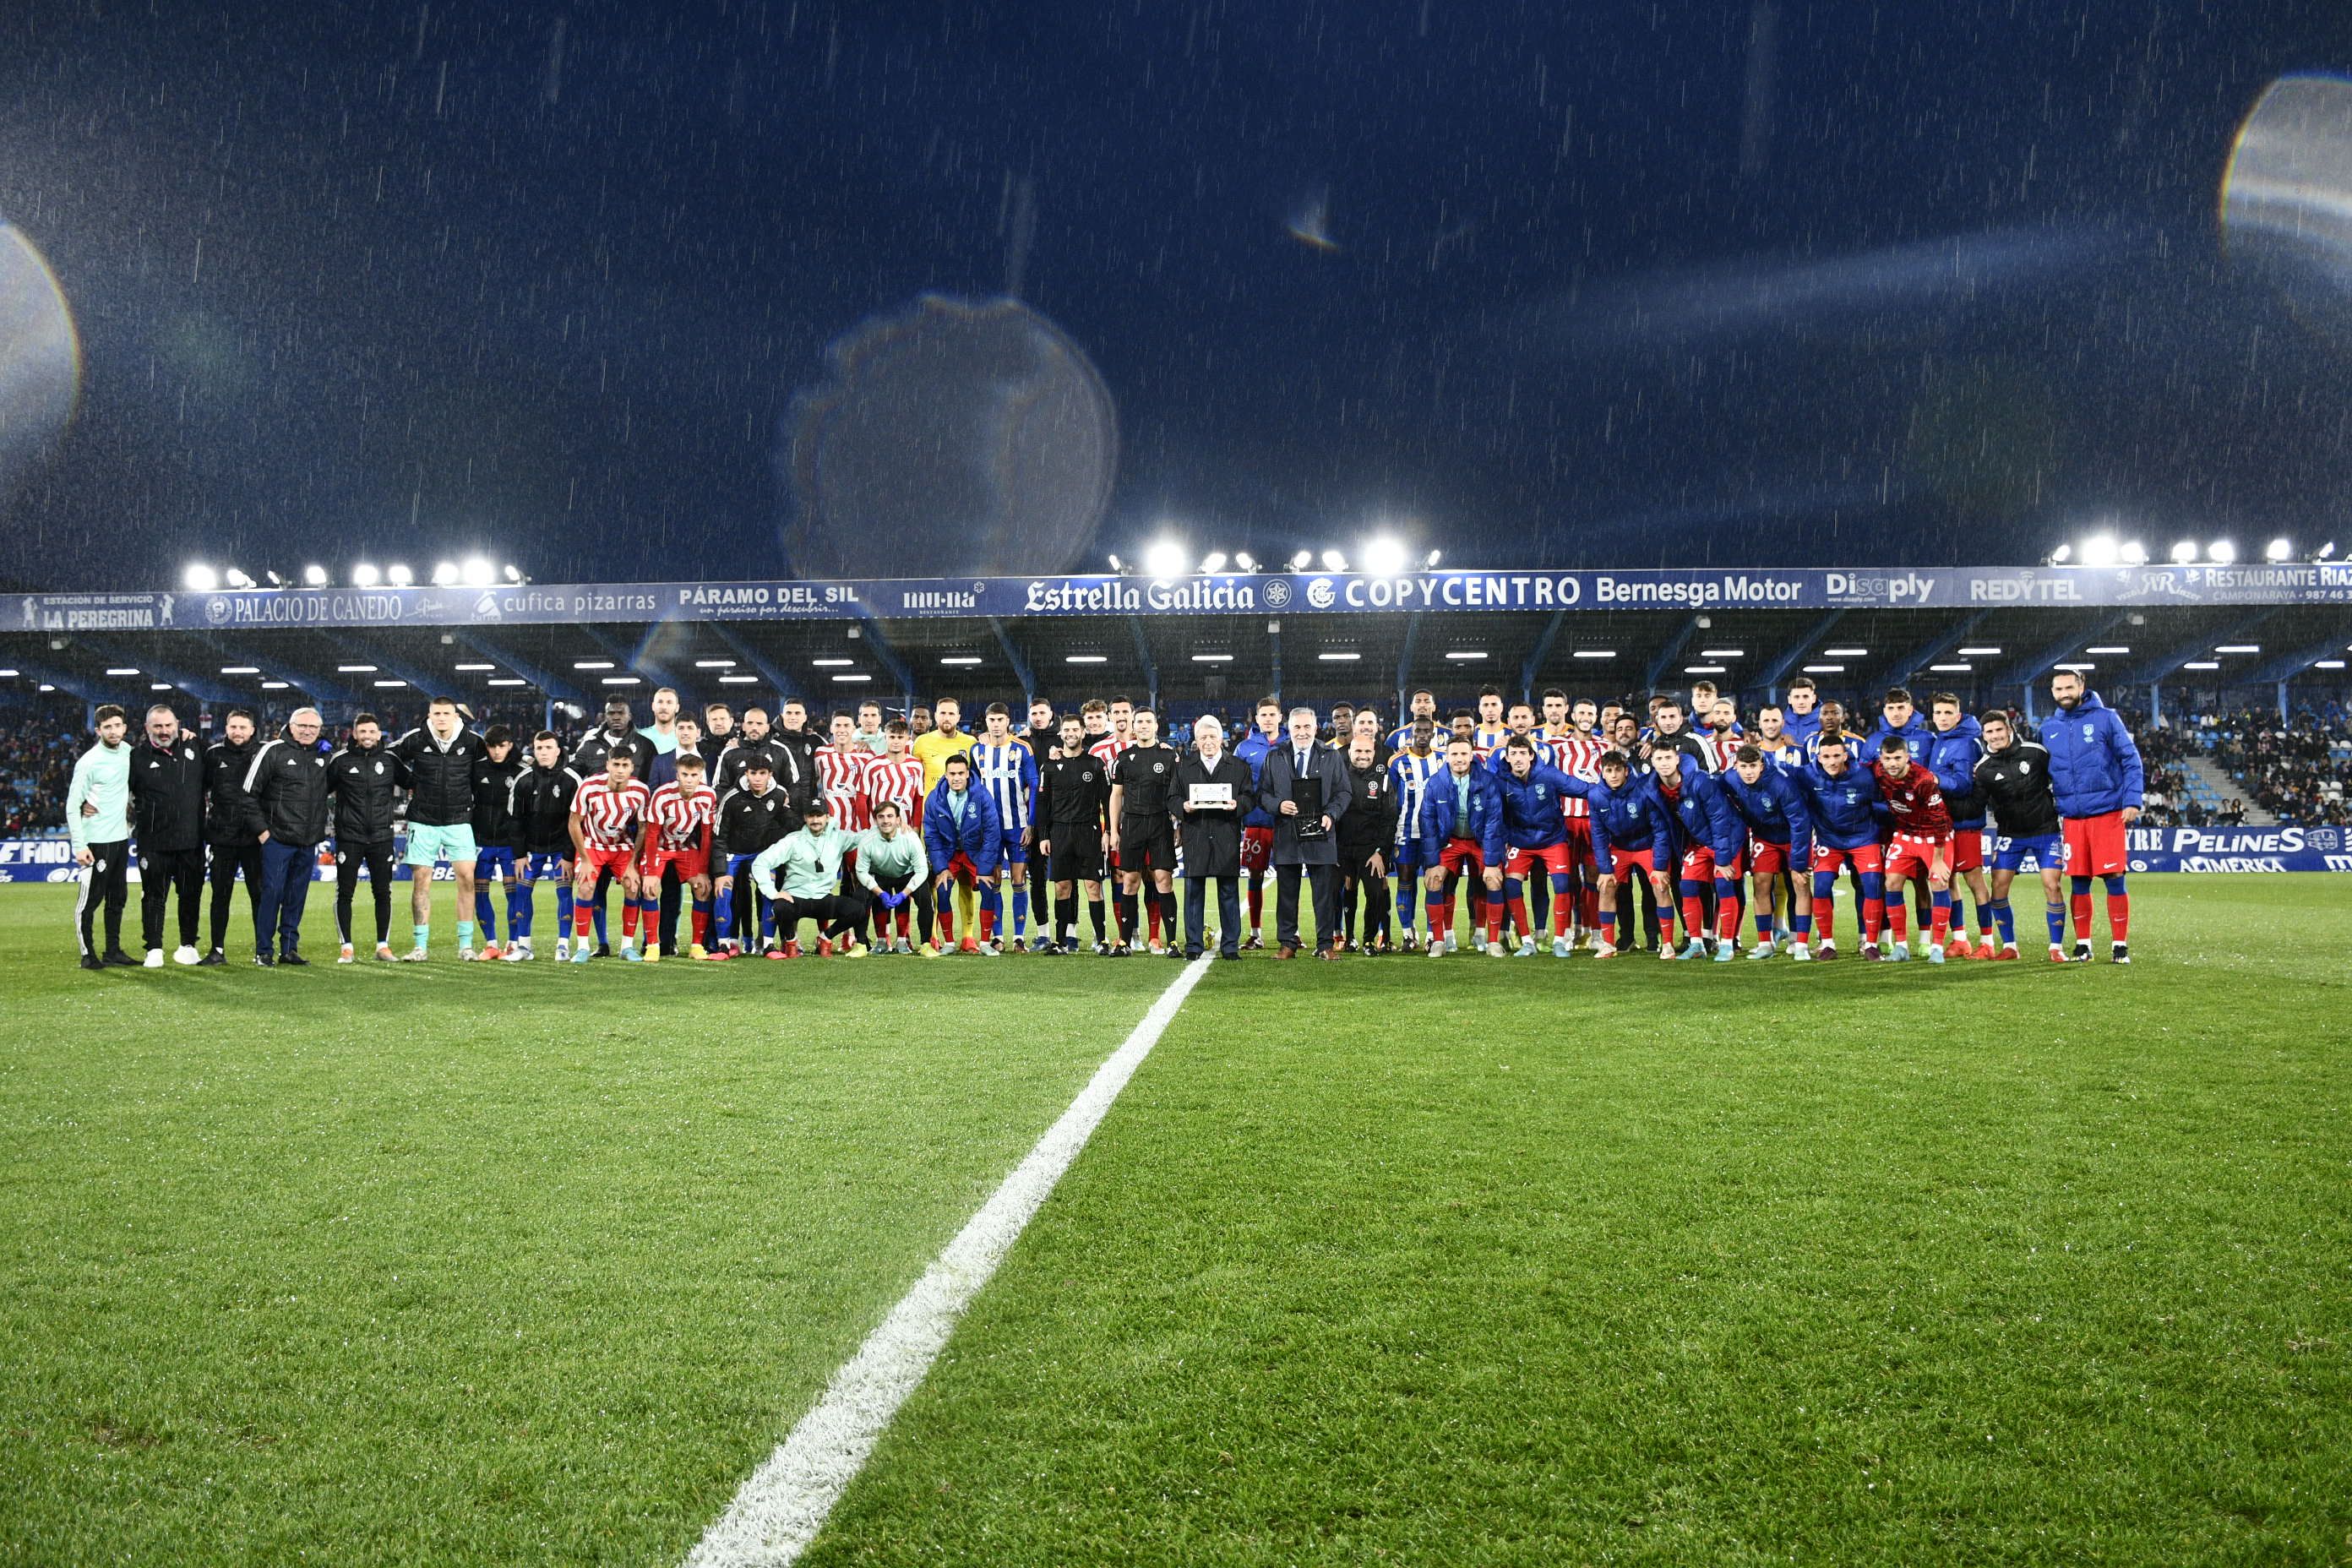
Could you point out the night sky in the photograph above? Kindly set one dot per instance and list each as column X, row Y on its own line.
column 1540, row 284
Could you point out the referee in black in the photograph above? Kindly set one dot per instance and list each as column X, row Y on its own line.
column 1142, row 782
column 1073, row 792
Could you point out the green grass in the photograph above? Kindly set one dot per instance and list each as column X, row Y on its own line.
column 467, row 1264
column 1471, row 1261
column 1517, row 1262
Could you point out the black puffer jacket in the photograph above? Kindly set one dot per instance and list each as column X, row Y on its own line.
column 439, row 779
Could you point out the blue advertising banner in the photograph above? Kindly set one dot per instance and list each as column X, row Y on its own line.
column 2326, row 582
column 2152, row 849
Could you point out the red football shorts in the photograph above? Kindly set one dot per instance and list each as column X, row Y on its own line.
column 1580, row 839
column 1257, row 849
column 1622, row 860
column 1966, row 850
column 1862, row 857
column 1699, row 865
column 2095, row 845
column 1552, row 857
column 1766, row 859
column 1459, row 854
column 690, row 863
column 1914, row 857
column 960, row 868
column 595, row 862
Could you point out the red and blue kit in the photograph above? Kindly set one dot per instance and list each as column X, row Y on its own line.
column 845, row 774
column 1922, row 844
column 682, row 836
column 608, row 821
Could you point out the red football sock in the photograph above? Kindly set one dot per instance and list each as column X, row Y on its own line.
column 906, row 921
column 2119, row 917
column 1588, row 903
column 1898, row 917
column 2082, row 917
column 1519, row 916
column 1824, row 911
column 584, row 915
column 1874, row 920
column 702, row 928
column 987, row 925
column 1943, row 925
column 1694, row 916
column 947, row 924
column 628, row 918
column 1494, row 920
column 1151, row 913
column 1441, row 918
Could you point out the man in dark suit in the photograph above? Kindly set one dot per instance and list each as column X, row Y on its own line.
column 1302, row 757
column 1213, row 837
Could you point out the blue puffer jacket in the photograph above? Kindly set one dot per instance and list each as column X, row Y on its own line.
column 980, row 837
column 1846, row 812
column 1952, row 756
column 2093, row 764
column 1438, row 799
column 1916, row 734
column 1704, row 818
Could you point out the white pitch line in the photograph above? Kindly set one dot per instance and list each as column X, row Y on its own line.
column 783, row 1505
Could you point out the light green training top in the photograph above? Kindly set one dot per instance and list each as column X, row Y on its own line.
column 809, row 865
column 899, row 856
column 102, row 778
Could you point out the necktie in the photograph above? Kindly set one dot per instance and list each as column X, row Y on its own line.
column 1299, row 769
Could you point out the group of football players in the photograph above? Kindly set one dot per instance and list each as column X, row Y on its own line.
column 1599, row 826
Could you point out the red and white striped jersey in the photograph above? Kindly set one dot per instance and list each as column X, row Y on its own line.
column 1107, row 750
column 1722, row 743
column 846, row 776
column 609, row 817
column 683, row 820
column 900, row 779
column 1577, row 754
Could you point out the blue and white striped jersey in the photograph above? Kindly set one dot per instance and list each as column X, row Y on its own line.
column 1009, row 774
column 1408, row 776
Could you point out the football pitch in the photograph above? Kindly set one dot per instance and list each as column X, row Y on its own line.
column 1470, row 1261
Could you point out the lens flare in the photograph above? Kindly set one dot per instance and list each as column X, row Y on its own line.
column 2287, row 195
column 40, row 359
column 956, row 436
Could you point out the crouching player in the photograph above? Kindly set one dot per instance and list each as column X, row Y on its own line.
column 1461, row 829
column 892, row 868
column 962, row 836
column 1845, row 809
column 1922, row 845
column 1715, row 849
column 604, row 817
column 1535, row 833
column 801, row 874
column 676, row 842
column 1631, row 830
column 2014, row 780
column 1779, row 846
